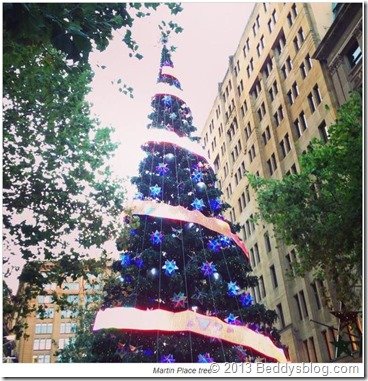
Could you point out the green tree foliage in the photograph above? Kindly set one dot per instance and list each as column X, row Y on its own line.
column 58, row 192
column 74, row 28
column 319, row 210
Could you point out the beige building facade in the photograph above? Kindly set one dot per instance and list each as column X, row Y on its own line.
column 52, row 331
column 341, row 50
column 269, row 106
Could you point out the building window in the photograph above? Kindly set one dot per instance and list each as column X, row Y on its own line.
column 266, row 135
column 293, row 169
column 285, row 145
column 261, row 111
column 308, row 62
column 43, row 328
column 290, row 97
column 303, row 70
column 274, row 16
column 303, row 120
column 267, row 242
column 268, row 68
column 260, row 46
column 240, row 87
column 273, row 91
column 298, row 40
column 306, row 350
column 280, row 314
column 48, row 313
column 327, row 344
column 256, row 253
column 256, row 89
column 270, row 25
column 295, row 89
column 311, row 102
column 42, row 358
column 316, row 295
column 246, row 48
column 71, row 286
column 68, row 327
column 272, row 164
column 323, row 133
column 279, row 47
column 252, row 153
column 317, row 94
column 297, row 128
column 44, row 299
column 262, row 286
column 279, row 115
column 273, row 276
column 300, row 124
column 248, row 130
column 290, row 19
column 66, row 314
column 294, row 10
column 297, row 303
column 304, row 303
column 287, row 67
column 354, row 54
column 41, row 344
column 63, row 342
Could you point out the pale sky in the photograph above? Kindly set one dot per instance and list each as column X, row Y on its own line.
column 211, row 34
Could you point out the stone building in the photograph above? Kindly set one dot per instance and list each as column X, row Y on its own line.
column 270, row 104
column 341, row 49
column 47, row 333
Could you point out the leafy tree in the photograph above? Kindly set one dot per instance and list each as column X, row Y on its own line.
column 74, row 28
column 319, row 210
column 33, row 278
column 58, row 193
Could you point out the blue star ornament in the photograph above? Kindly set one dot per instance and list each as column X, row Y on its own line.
column 232, row 319
column 125, row 259
column 197, row 176
column 232, row 289
column 155, row 190
column 179, row 299
column 167, row 100
column 208, row 268
column 214, row 245
column 206, row 358
column 156, row 237
column 225, row 241
column 170, row 267
column 138, row 261
column 162, row 169
column 168, row 359
column 198, row 204
column 246, row 299
column 215, row 204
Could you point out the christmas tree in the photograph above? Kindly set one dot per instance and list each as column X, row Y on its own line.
column 182, row 288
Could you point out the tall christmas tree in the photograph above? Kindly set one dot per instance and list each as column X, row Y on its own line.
column 182, row 288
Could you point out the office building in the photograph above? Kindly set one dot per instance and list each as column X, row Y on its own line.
column 46, row 333
column 341, row 49
column 270, row 104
